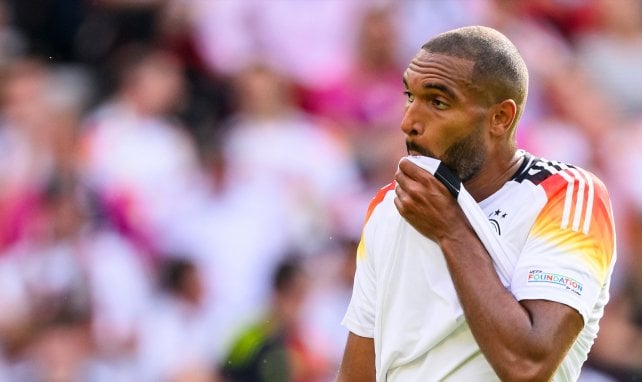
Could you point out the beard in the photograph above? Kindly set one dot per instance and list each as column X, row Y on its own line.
column 464, row 157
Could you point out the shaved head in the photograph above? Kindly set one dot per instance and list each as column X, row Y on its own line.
column 499, row 72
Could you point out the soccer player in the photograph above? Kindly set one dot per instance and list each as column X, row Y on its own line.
column 427, row 303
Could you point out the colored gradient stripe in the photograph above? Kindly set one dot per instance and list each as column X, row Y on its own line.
column 361, row 249
column 378, row 198
column 578, row 217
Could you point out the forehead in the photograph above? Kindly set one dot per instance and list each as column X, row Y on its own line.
column 428, row 67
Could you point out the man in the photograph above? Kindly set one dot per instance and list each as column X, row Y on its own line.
column 427, row 301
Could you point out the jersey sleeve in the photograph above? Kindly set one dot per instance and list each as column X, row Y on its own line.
column 360, row 316
column 570, row 248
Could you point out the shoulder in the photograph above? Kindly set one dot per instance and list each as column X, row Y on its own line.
column 379, row 197
column 538, row 170
column 558, row 179
column 576, row 213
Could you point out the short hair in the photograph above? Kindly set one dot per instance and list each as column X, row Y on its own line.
column 286, row 273
column 498, row 68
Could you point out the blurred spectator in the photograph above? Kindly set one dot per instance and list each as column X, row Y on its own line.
column 563, row 101
column 567, row 18
column 66, row 265
column 134, row 153
column 274, row 349
column 41, row 275
column 618, row 349
column 175, row 339
column 419, row 20
column 271, row 140
column 26, row 156
column 612, row 54
column 209, row 98
column 331, row 281
column 307, row 41
column 232, row 230
column 625, row 175
column 61, row 350
column 366, row 103
column 41, row 107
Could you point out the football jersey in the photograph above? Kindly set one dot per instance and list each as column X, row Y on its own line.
column 556, row 221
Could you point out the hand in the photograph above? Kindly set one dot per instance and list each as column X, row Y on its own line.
column 426, row 203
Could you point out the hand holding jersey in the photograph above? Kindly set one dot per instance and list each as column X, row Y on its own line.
column 503, row 260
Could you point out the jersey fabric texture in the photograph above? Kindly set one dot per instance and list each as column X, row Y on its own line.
column 557, row 223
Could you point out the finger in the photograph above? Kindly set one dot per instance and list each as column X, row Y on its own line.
column 412, row 170
column 401, row 179
column 400, row 204
column 399, row 190
column 408, row 187
column 404, row 196
column 413, row 178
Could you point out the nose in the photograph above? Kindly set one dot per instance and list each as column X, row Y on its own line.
column 411, row 123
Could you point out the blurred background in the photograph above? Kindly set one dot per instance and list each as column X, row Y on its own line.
column 183, row 182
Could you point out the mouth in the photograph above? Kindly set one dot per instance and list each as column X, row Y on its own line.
column 416, row 150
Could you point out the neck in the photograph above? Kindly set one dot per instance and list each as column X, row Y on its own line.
column 494, row 175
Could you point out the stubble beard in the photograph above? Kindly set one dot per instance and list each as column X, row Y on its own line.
column 464, row 157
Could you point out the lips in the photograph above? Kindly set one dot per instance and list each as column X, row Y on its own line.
column 414, row 149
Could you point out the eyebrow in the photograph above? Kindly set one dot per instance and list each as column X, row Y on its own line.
column 443, row 88
column 431, row 85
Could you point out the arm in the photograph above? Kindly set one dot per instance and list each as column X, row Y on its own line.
column 358, row 363
column 524, row 340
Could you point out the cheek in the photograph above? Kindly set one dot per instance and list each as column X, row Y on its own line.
column 440, row 136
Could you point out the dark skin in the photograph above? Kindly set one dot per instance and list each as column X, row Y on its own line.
column 522, row 340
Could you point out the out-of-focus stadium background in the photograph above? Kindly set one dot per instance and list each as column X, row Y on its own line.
column 160, row 160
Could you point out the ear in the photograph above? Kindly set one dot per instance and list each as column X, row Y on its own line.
column 502, row 116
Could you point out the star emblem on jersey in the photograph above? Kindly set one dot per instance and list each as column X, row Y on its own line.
column 495, row 217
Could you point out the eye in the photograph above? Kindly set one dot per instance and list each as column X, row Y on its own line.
column 439, row 104
column 409, row 96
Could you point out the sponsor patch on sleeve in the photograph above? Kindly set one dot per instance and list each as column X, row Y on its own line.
column 538, row 276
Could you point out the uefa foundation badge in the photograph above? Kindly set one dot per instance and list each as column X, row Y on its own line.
column 538, row 276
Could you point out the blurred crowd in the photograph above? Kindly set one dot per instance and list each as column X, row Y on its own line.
column 183, row 182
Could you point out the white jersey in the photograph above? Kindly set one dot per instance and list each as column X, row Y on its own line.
column 556, row 221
